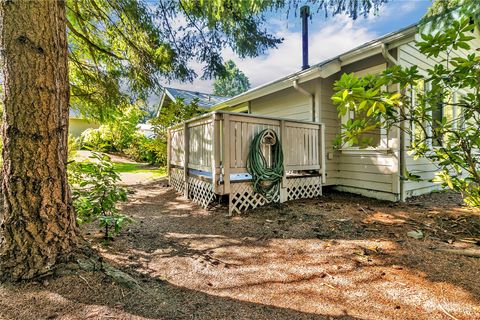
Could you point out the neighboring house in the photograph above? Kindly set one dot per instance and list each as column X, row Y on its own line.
column 146, row 129
column 77, row 124
column 167, row 96
column 306, row 95
column 204, row 100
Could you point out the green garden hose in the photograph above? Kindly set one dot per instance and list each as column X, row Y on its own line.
column 265, row 179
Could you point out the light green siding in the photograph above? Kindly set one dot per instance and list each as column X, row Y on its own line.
column 77, row 126
column 408, row 56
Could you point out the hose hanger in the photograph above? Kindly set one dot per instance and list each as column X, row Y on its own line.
column 266, row 176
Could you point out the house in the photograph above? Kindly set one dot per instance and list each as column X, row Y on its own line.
column 306, row 95
column 77, row 124
column 204, row 100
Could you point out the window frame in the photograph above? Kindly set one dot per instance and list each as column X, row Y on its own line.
column 383, row 139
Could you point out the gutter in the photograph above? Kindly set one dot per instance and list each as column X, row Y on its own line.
column 308, row 94
column 402, row 164
column 386, row 54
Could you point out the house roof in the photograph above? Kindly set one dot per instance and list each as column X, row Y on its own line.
column 205, row 100
column 323, row 69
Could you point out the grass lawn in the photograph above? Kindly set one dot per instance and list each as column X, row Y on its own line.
column 154, row 172
column 130, row 172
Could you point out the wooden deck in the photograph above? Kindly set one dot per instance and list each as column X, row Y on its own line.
column 215, row 147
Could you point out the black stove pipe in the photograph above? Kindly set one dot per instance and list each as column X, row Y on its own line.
column 305, row 13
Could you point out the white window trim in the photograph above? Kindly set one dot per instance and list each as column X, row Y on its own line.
column 383, row 145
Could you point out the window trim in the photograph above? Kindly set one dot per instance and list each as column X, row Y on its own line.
column 383, row 144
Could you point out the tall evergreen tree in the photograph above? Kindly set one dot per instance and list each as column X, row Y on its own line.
column 232, row 82
column 39, row 227
column 112, row 44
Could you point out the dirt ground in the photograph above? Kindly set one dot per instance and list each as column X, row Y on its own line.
column 339, row 256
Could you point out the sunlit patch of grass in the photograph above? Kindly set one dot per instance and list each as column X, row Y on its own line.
column 155, row 172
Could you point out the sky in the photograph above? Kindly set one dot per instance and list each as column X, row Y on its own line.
column 328, row 37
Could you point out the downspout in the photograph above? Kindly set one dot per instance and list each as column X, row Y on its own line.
column 402, row 165
column 308, row 94
column 388, row 56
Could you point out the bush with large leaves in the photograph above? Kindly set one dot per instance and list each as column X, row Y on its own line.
column 450, row 140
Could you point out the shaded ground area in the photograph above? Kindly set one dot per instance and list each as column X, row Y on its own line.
column 336, row 257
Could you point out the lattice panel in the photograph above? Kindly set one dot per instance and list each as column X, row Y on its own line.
column 243, row 198
column 200, row 191
column 301, row 188
column 176, row 180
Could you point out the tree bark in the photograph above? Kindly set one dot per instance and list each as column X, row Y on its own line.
column 38, row 230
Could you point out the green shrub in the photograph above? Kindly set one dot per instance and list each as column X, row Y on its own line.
column 101, row 139
column 96, row 193
column 73, row 146
column 116, row 135
column 145, row 149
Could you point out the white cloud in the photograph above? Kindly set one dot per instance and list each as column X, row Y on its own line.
column 395, row 8
column 326, row 40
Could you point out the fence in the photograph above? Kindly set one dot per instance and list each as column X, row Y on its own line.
column 207, row 157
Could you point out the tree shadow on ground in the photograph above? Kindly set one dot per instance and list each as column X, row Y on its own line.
column 337, row 252
column 95, row 296
column 338, row 256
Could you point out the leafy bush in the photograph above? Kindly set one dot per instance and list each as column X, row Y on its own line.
column 96, row 193
column 116, row 135
column 73, row 146
column 440, row 112
column 122, row 135
column 145, row 149
column 101, row 139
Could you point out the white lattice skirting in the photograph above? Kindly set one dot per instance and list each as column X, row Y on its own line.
column 200, row 191
column 177, row 180
column 302, row 188
column 243, row 198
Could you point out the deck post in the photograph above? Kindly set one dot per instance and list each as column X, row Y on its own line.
column 169, row 154
column 226, row 153
column 216, row 152
column 321, row 151
column 186, row 151
column 283, row 183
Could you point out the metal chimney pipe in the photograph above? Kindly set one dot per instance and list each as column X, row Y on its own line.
column 305, row 13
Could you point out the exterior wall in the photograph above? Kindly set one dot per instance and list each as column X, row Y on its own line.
column 77, row 126
column 290, row 103
column 408, row 56
column 372, row 172
column 329, row 116
column 287, row 103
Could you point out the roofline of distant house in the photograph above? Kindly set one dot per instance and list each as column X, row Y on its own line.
column 325, row 68
column 191, row 91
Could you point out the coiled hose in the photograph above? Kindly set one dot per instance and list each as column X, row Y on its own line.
column 265, row 179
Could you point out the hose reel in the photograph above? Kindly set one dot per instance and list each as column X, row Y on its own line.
column 265, row 177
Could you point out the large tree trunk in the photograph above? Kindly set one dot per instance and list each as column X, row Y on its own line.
column 38, row 229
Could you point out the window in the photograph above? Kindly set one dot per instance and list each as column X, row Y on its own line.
column 417, row 127
column 445, row 111
column 376, row 138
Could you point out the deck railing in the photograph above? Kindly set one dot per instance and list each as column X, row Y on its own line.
column 215, row 147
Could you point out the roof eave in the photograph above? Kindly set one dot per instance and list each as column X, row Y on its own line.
column 322, row 70
column 269, row 87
